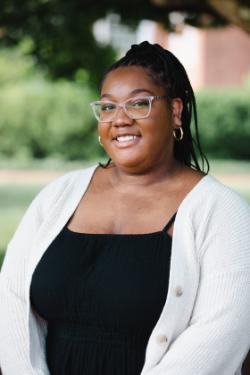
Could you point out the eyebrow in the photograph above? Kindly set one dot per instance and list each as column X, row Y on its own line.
column 134, row 92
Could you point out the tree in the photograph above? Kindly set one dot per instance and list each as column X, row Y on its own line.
column 209, row 12
column 61, row 35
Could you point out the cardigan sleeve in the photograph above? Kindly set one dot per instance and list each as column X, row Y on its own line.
column 14, row 311
column 23, row 353
column 217, row 338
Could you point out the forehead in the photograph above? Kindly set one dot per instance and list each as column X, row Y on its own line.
column 122, row 81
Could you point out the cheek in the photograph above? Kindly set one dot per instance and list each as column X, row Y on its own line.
column 102, row 130
column 161, row 124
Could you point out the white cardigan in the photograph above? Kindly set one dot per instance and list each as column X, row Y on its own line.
column 204, row 327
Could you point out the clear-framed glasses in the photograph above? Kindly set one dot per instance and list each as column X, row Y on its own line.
column 135, row 108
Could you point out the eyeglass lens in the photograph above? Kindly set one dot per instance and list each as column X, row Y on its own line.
column 135, row 108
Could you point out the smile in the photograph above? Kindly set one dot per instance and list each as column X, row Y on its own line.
column 126, row 138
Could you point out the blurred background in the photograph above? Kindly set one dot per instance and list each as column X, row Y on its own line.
column 52, row 57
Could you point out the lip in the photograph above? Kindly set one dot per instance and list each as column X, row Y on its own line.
column 128, row 143
column 122, row 134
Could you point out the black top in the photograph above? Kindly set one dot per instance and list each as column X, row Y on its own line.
column 102, row 295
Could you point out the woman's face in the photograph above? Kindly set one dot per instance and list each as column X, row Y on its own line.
column 151, row 143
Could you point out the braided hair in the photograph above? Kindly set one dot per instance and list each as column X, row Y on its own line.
column 167, row 71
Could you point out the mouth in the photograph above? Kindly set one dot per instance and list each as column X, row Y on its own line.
column 126, row 140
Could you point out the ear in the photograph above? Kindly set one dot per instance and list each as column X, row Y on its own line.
column 176, row 107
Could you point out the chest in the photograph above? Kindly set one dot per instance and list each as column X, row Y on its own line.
column 132, row 212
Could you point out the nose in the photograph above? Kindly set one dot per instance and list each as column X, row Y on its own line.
column 121, row 118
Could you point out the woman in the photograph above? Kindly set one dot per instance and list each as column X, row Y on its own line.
column 139, row 266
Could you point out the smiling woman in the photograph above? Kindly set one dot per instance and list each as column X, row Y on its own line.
column 146, row 141
column 130, row 267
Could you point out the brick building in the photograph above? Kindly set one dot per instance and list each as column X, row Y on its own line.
column 212, row 57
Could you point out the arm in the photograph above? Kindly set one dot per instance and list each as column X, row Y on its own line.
column 218, row 336
column 14, row 339
column 21, row 353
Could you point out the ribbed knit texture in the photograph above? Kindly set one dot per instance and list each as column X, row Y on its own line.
column 206, row 327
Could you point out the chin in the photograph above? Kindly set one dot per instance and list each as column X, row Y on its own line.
column 128, row 162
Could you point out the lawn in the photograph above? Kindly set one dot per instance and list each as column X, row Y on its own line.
column 14, row 199
column 16, row 196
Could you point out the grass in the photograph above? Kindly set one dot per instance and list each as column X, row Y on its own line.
column 236, row 167
column 15, row 197
column 235, row 174
column 44, row 164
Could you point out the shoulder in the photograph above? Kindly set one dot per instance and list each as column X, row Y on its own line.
column 213, row 207
column 209, row 194
column 68, row 183
column 219, row 220
column 69, row 178
column 62, row 190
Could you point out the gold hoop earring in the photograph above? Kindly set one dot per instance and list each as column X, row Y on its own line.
column 99, row 140
column 180, row 136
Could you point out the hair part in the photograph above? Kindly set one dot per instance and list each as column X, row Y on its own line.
column 167, row 71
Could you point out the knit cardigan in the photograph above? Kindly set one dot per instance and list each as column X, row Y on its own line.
column 204, row 327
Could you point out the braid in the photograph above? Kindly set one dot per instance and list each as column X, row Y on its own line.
column 168, row 72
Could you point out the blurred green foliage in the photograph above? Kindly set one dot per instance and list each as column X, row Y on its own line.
column 224, row 119
column 16, row 66
column 61, row 36
column 59, row 33
column 40, row 118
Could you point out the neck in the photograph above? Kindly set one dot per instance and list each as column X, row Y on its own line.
column 120, row 177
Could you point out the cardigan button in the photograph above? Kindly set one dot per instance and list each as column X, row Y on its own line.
column 161, row 339
column 178, row 291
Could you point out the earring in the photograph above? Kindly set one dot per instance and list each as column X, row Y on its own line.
column 180, row 136
column 99, row 139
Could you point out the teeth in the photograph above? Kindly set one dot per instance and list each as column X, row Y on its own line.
column 125, row 138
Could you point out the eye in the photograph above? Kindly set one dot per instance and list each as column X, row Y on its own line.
column 139, row 103
column 106, row 107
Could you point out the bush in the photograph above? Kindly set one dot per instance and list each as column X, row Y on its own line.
column 43, row 119
column 224, row 122
column 16, row 65
column 40, row 119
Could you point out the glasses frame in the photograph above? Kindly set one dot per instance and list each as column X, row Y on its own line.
column 123, row 106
